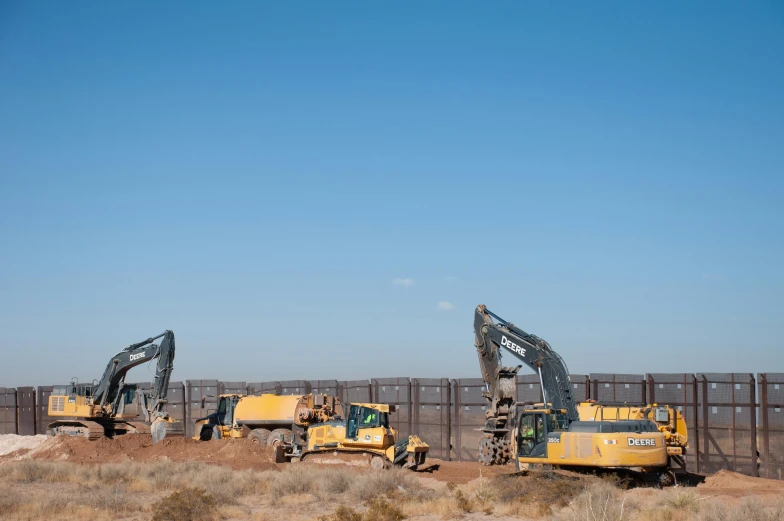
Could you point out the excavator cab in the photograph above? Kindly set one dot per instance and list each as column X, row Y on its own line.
column 534, row 429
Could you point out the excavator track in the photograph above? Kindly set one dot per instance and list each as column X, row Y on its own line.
column 90, row 430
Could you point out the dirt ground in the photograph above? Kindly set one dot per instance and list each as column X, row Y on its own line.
column 447, row 486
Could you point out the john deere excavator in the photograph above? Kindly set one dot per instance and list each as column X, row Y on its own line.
column 552, row 433
column 110, row 407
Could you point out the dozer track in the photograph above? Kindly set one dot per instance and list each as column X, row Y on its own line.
column 361, row 458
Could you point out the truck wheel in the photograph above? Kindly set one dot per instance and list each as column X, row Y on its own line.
column 274, row 437
column 216, row 433
column 259, row 436
column 206, row 433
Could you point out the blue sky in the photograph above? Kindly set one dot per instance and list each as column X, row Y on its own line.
column 261, row 178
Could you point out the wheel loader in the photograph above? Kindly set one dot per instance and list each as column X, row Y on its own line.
column 109, row 407
column 314, row 426
column 553, row 433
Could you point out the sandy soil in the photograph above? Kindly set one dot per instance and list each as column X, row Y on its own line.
column 12, row 443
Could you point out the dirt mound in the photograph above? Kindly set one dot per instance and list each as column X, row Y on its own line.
column 732, row 483
column 13, row 443
column 461, row 472
column 235, row 453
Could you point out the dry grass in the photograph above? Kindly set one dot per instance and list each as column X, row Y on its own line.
column 189, row 504
column 748, row 510
column 599, row 500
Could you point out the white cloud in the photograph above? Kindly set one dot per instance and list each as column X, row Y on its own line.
column 403, row 282
column 443, row 305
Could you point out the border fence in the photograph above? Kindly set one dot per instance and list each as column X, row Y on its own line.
column 735, row 420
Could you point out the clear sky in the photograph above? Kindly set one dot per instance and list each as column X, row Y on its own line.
column 327, row 189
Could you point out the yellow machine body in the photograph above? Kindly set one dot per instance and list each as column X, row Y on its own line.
column 313, row 423
column 543, row 436
column 667, row 418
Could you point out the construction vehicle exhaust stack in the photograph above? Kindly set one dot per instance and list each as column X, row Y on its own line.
column 314, row 425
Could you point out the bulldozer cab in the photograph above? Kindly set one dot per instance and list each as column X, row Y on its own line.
column 361, row 416
column 534, row 429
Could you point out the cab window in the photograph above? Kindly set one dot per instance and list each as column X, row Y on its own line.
column 557, row 422
column 222, row 406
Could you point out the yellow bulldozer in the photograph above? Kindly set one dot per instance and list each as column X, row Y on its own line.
column 309, row 426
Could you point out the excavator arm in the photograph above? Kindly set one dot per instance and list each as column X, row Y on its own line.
column 492, row 338
column 108, row 391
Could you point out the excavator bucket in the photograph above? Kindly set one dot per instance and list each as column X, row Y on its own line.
column 166, row 427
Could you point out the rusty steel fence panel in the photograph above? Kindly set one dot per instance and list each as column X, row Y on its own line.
column 202, row 401
column 469, row 417
column 295, row 387
column 232, row 387
column 397, row 392
column 176, row 400
column 614, row 388
column 581, row 386
column 772, row 412
column 529, row 388
column 357, row 391
column 42, row 420
column 257, row 388
column 432, row 415
column 727, row 417
column 26, row 411
column 330, row 387
column 8, row 424
column 679, row 390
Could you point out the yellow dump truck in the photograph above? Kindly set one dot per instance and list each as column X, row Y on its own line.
column 313, row 424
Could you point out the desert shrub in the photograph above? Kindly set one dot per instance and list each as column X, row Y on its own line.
column 385, row 482
column 10, row 500
column 342, row 513
column 111, row 473
column 188, row 504
column 464, row 504
column 687, row 500
column 379, row 509
column 337, row 481
column 298, row 479
column 31, row 471
column 748, row 510
column 599, row 501
column 113, row 498
column 536, row 494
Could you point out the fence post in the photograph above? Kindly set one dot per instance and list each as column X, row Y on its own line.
column 753, row 417
column 765, row 424
column 448, row 419
column 644, row 394
column 410, row 401
column 651, row 391
column 458, row 423
column 587, row 387
column 696, row 419
column 705, row 433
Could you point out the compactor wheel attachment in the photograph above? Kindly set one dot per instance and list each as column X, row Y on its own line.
column 494, row 451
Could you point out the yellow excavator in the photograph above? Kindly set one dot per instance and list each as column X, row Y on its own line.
column 310, row 426
column 110, row 407
column 553, row 433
